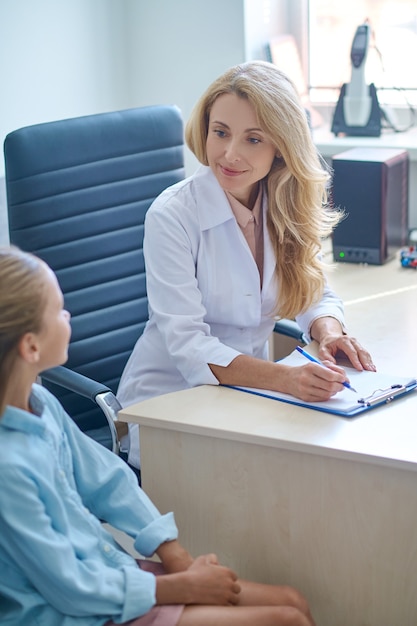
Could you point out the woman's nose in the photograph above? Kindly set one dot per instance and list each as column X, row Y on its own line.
column 232, row 152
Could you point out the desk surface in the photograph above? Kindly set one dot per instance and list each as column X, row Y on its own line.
column 386, row 435
column 380, row 303
column 380, row 310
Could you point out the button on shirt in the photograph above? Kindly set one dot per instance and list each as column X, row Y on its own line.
column 58, row 564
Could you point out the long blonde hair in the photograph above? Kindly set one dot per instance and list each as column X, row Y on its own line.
column 298, row 216
column 22, row 304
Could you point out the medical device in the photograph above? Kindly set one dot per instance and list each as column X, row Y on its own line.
column 357, row 111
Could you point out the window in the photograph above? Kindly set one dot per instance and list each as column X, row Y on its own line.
column 392, row 53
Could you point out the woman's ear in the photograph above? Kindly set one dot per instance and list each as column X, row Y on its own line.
column 28, row 348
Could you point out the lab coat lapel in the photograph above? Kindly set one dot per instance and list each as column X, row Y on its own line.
column 269, row 255
column 213, row 206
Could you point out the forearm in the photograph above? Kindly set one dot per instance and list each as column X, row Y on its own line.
column 174, row 557
column 310, row 382
column 247, row 371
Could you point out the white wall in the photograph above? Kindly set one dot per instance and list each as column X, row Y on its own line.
column 263, row 20
column 176, row 48
column 60, row 58
column 64, row 58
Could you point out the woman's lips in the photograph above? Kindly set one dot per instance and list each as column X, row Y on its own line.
column 228, row 172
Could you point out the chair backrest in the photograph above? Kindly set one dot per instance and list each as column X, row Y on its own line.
column 77, row 193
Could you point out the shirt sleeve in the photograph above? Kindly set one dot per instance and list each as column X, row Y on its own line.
column 97, row 578
column 330, row 305
column 72, row 583
column 110, row 490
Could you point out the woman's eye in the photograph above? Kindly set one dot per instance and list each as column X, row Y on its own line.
column 254, row 140
column 220, row 133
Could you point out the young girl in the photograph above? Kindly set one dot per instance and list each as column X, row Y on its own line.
column 58, row 564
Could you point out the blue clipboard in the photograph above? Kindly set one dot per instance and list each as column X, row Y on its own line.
column 374, row 389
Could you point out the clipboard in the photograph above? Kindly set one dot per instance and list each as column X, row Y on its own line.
column 374, row 389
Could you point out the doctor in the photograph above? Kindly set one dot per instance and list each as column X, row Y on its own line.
column 237, row 244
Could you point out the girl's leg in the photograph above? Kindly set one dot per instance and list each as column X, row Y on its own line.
column 263, row 605
column 258, row 594
column 196, row 615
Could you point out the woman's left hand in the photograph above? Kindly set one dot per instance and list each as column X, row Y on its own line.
column 332, row 339
column 357, row 355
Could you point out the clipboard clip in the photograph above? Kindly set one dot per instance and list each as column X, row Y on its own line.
column 383, row 395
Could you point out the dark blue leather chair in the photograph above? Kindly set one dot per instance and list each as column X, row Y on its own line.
column 77, row 193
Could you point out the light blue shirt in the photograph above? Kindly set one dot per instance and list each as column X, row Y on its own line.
column 58, row 564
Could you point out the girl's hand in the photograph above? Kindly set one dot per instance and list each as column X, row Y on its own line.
column 211, row 583
column 204, row 582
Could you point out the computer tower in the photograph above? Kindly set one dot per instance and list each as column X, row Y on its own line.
column 371, row 186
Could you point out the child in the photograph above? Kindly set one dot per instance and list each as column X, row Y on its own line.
column 58, row 564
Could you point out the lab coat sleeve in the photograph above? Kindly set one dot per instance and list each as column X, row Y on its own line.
column 330, row 305
column 172, row 248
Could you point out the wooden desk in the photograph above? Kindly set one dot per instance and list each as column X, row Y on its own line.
column 287, row 494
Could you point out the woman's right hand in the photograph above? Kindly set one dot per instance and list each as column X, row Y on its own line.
column 314, row 383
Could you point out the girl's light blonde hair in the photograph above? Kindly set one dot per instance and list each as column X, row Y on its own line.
column 298, row 216
column 22, row 304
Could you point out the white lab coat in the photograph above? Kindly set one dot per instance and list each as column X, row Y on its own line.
column 205, row 301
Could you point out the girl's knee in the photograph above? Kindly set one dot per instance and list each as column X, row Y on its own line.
column 295, row 599
column 291, row 616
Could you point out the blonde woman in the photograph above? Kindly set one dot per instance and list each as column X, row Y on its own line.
column 236, row 244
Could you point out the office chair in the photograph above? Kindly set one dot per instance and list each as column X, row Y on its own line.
column 77, row 194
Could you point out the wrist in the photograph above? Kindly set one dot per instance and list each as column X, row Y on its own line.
column 323, row 327
column 173, row 589
column 174, row 557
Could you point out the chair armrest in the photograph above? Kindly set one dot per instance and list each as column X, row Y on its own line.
column 290, row 328
column 97, row 392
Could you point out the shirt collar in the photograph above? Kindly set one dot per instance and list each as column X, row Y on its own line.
column 18, row 419
column 244, row 215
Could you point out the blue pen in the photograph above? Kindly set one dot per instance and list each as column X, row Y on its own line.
column 312, row 358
